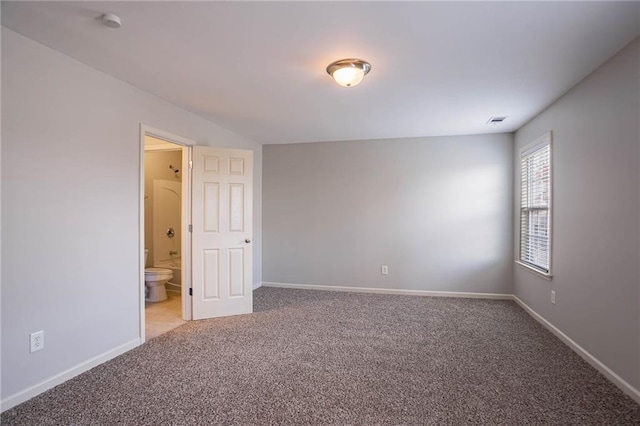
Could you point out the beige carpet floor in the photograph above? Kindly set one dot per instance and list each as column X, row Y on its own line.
column 329, row 358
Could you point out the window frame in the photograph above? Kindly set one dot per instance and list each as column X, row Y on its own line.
column 538, row 143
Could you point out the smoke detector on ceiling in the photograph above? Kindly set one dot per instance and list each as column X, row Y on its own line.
column 111, row 20
column 496, row 120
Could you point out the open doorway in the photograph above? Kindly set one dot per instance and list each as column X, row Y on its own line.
column 165, row 212
column 216, row 226
column 162, row 236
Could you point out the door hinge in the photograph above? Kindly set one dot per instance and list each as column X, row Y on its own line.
column 190, row 164
column 190, row 291
column 190, row 228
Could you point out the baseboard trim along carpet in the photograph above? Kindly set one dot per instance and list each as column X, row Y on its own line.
column 22, row 396
column 257, row 285
column 584, row 354
column 391, row 291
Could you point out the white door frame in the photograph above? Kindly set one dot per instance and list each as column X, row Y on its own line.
column 186, row 220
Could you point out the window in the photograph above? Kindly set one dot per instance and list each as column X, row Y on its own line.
column 535, row 205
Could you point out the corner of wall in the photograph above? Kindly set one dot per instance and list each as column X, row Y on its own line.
column 596, row 127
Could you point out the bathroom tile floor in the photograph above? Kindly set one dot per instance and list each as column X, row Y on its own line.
column 161, row 317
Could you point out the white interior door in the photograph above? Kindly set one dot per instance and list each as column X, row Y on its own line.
column 222, row 193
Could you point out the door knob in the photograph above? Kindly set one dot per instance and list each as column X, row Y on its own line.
column 247, row 240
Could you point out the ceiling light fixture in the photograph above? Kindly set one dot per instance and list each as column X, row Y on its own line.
column 348, row 72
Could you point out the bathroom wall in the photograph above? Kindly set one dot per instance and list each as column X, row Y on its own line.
column 156, row 166
column 70, row 211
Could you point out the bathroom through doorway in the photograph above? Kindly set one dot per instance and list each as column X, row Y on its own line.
column 165, row 190
column 211, row 249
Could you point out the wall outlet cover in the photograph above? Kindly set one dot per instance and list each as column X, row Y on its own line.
column 36, row 341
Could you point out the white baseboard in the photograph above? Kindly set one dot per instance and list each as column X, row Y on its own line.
column 627, row 388
column 391, row 291
column 22, row 396
column 584, row 354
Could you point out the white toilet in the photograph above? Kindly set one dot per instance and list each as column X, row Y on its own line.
column 154, row 280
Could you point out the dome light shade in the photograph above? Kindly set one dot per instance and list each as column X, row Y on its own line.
column 348, row 72
column 348, row 76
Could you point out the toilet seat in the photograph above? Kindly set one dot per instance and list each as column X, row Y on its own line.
column 161, row 270
column 158, row 273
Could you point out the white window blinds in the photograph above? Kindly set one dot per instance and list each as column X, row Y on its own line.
column 535, row 205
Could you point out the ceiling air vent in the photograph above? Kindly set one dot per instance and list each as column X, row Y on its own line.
column 496, row 120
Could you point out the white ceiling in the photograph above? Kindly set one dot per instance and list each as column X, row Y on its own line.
column 258, row 68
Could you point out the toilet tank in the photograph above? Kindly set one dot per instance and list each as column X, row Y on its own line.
column 146, row 253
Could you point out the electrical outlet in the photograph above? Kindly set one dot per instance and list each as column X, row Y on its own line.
column 384, row 270
column 36, row 341
column 553, row 297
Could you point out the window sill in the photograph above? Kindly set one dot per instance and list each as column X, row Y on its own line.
column 546, row 276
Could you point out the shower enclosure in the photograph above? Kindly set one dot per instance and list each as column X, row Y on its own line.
column 167, row 234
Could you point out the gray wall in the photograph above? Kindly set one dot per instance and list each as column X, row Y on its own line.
column 70, row 171
column 596, row 148
column 437, row 211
